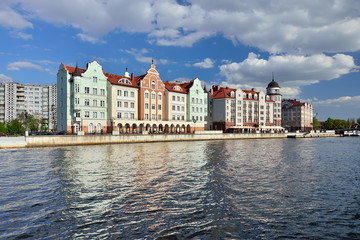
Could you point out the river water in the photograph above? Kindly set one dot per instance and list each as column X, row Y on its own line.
column 239, row 189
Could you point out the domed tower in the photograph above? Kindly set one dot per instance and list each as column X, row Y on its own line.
column 273, row 90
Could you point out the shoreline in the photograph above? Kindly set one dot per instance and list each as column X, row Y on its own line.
column 75, row 140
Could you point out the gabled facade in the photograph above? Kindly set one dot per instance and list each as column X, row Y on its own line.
column 197, row 104
column 82, row 95
column 176, row 98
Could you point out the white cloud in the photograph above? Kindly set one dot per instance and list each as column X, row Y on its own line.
column 11, row 19
column 285, row 26
column 87, row 38
column 139, row 56
column 21, row 35
column 4, row 78
column 344, row 101
column 291, row 71
column 15, row 66
column 207, row 63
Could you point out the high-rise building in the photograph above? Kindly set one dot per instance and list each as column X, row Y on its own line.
column 16, row 98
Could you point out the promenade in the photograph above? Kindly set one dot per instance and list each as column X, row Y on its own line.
column 73, row 140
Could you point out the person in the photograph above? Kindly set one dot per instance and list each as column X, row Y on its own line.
column 102, row 131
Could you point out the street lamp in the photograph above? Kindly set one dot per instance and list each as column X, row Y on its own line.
column 194, row 121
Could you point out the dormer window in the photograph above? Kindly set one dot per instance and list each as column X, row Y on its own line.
column 250, row 95
column 232, row 94
column 124, row 80
column 177, row 88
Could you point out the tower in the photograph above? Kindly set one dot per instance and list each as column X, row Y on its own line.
column 273, row 90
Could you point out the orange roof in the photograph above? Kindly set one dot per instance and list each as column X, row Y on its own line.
column 114, row 79
column 220, row 92
column 71, row 70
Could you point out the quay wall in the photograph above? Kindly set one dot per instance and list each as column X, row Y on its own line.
column 12, row 142
column 71, row 140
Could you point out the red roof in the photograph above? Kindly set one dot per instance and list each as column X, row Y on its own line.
column 71, row 70
column 294, row 102
column 184, row 86
column 114, row 79
column 220, row 92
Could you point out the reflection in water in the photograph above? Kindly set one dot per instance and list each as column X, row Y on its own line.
column 280, row 188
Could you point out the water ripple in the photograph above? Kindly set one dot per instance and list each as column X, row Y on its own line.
column 244, row 189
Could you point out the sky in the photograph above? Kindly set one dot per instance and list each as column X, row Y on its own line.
column 311, row 46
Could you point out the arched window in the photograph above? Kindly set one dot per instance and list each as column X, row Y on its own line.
column 232, row 94
column 250, row 95
column 153, row 85
column 91, row 128
column 255, row 96
column 98, row 128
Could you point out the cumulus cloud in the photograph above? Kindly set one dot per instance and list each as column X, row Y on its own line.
column 291, row 71
column 15, row 66
column 285, row 26
column 339, row 102
column 207, row 63
column 4, row 78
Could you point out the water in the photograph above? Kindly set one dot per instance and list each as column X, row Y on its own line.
column 240, row 189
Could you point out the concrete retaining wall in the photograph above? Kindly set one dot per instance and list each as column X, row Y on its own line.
column 12, row 142
column 41, row 141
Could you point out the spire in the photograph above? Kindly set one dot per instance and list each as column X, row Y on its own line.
column 126, row 72
column 152, row 61
column 77, row 71
column 273, row 77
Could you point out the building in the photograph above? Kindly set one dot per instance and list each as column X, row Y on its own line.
column 82, row 99
column 36, row 100
column 240, row 110
column 90, row 100
column 297, row 115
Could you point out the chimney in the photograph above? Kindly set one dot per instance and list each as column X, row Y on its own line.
column 132, row 76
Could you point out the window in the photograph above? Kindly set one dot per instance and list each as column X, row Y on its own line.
column 182, row 99
column 178, row 118
column 146, row 106
column 197, row 91
column 153, row 96
column 192, row 100
column 119, row 115
column 126, row 93
column 173, row 107
column 77, row 114
column 87, row 90
column 153, row 106
column 95, row 103
column 159, row 117
column 197, row 100
column 87, row 102
column 77, row 87
column 173, row 117
column 119, row 92
column 159, row 97
column 182, row 108
column 102, row 103
column 153, row 84
column 146, row 116
column 146, row 95
column 126, row 104
column 159, row 107
column 132, row 94
column 119, row 104
column 94, row 114
column 77, row 101
column 173, row 98
column 178, row 98
column 126, row 116
column 132, row 105
column 95, row 91
column 178, row 108
column 87, row 114
column 102, row 92
column 132, row 116
column 94, row 79
column 102, row 115
column 182, row 118
column 201, row 100
column 153, row 117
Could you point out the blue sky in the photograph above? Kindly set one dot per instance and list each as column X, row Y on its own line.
column 313, row 47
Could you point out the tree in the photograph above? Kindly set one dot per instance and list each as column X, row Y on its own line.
column 3, row 128
column 53, row 117
column 32, row 124
column 14, row 126
column 329, row 123
column 43, row 126
column 316, row 124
